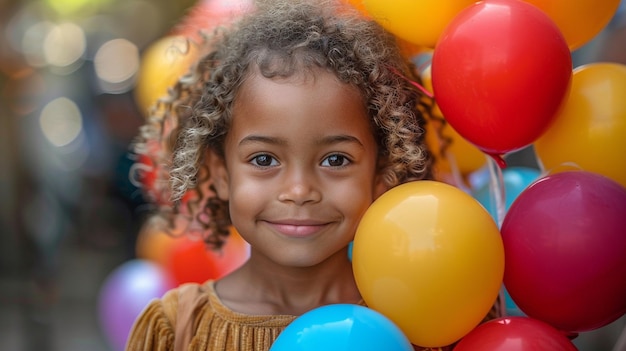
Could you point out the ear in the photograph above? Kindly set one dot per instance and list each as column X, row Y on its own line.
column 219, row 174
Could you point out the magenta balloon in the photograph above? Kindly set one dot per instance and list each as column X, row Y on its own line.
column 515, row 334
column 125, row 293
column 565, row 250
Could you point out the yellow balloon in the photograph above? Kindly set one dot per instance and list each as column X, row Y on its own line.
column 162, row 64
column 428, row 256
column 590, row 131
column 420, row 22
column 578, row 20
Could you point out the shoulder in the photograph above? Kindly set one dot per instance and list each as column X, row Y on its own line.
column 168, row 319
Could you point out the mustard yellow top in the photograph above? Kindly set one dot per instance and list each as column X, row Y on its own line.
column 196, row 316
column 192, row 318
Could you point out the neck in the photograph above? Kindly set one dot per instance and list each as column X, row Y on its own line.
column 263, row 287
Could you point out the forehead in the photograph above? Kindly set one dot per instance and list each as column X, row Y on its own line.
column 312, row 100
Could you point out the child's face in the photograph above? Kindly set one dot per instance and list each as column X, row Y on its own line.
column 300, row 167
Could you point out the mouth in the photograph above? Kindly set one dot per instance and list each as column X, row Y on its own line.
column 297, row 229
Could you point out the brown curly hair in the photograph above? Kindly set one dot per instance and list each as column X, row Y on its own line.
column 281, row 38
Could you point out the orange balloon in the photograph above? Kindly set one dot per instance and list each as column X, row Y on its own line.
column 429, row 257
column 590, row 131
column 154, row 245
column 420, row 22
column 162, row 64
column 578, row 20
column 358, row 4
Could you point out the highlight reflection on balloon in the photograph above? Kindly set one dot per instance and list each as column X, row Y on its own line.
column 428, row 256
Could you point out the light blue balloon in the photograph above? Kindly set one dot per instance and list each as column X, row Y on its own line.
column 516, row 180
column 511, row 307
column 342, row 327
column 350, row 247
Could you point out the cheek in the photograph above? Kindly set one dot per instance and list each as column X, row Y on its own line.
column 246, row 197
column 354, row 198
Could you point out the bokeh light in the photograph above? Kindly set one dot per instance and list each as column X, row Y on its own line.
column 61, row 121
column 33, row 43
column 64, row 46
column 116, row 64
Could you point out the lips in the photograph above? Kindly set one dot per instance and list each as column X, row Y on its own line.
column 297, row 229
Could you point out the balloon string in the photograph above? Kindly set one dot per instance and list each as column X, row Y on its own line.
column 563, row 166
column 457, row 176
column 413, row 83
column 496, row 188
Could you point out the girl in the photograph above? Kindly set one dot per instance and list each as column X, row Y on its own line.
column 297, row 119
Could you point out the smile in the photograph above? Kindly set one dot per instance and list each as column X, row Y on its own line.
column 297, row 230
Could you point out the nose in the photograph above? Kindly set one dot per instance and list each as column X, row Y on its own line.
column 300, row 187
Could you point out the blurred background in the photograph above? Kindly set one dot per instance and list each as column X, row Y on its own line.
column 69, row 214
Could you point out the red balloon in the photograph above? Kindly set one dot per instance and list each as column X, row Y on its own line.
column 500, row 72
column 191, row 261
column 565, row 250
column 515, row 334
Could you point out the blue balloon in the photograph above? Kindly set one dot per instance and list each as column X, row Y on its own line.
column 344, row 327
column 516, row 180
column 350, row 246
column 511, row 307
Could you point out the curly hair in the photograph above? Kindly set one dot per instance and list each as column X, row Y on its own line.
column 279, row 39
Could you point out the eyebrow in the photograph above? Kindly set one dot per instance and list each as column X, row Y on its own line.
column 253, row 139
column 329, row 140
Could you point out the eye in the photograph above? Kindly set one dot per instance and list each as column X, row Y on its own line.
column 264, row 160
column 335, row 160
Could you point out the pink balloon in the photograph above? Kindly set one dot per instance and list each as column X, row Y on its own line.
column 515, row 334
column 565, row 250
column 125, row 293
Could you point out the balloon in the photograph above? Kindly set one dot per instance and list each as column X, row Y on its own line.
column 428, row 256
column 451, row 150
column 590, row 131
column 515, row 334
column 209, row 14
column 162, row 64
column 578, row 20
column 500, row 73
column 170, row 57
column 358, row 4
column 417, row 21
column 566, row 250
column 342, row 327
column 125, row 293
column 191, row 261
column 516, row 180
column 155, row 245
column 512, row 309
